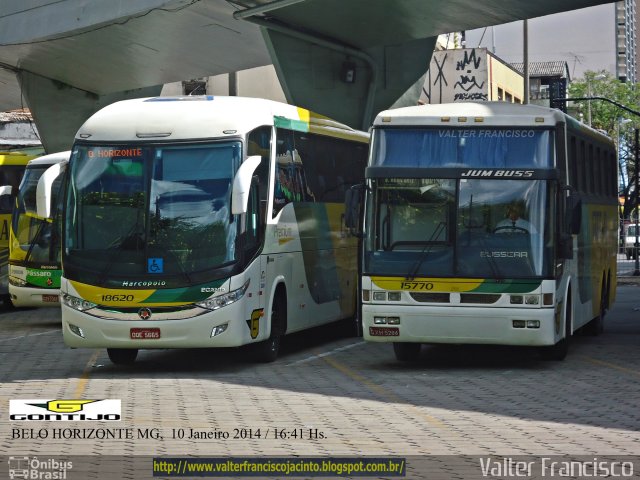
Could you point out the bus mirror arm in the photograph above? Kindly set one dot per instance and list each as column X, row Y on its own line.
column 242, row 184
column 565, row 246
column 574, row 213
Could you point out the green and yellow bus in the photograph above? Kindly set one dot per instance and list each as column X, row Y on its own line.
column 487, row 223
column 34, row 247
column 207, row 222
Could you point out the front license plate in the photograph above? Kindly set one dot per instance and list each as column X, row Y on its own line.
column 51, row 298
column 145, row 333
column 384, row 331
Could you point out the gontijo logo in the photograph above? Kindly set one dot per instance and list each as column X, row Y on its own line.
column 61, row 410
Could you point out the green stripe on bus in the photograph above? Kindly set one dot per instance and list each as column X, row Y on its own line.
column 187, row 294
column 283, row 122
column 508, row 286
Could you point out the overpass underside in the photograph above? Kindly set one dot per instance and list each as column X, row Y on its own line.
column 347, row 59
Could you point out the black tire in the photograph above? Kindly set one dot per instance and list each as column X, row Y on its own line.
column 406, row 352
column 122, row 356
column 558, row 352
column 596, row 326
column 267, row 351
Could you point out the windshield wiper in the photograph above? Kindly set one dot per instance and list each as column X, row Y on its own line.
column 426, row 250
column 34, row 240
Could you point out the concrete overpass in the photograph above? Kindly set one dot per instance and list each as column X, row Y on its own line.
column 347, row 59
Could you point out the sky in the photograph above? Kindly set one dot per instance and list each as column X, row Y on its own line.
column 584, row 38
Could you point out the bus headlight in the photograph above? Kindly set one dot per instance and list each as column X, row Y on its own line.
column 77, row 303
column 17, row 282
column 214, row 303
column 532, row 299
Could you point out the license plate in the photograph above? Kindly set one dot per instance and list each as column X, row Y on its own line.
column 51, row 298
column 144, row 333
column 384, row 331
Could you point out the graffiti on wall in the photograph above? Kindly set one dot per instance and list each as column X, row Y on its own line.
column 457, row 75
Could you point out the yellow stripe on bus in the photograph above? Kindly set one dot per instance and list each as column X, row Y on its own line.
column 422, row 284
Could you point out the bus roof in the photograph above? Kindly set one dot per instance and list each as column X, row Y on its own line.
column 467, row 114
column 15, row 158
column 200, row 117
column 50, row 159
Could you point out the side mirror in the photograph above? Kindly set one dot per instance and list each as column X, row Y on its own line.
column 574, row 213
column 353, row 200
column 242, row 184
column 43, row 190
column 6, row 199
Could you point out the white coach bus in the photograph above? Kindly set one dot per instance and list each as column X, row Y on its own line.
column 207, row 222
column 487, row 223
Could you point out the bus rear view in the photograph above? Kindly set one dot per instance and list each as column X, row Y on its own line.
column 471, row 225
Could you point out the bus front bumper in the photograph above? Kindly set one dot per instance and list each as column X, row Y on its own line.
column 34, row 297
column 81, row 330
column 477, row 325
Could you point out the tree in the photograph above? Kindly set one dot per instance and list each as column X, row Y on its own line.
column 614, row 121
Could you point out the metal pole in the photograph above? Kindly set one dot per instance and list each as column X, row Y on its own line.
column 589, row 103
column 525, row 62
column 636, row 251
column 233, row 84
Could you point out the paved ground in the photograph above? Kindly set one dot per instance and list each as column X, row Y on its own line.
column 330, row 394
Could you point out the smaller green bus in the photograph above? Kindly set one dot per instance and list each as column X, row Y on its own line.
column 34, row 247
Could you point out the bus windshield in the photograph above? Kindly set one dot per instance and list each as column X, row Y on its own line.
column 145, row 210
column 38, row 238
column 474, row 228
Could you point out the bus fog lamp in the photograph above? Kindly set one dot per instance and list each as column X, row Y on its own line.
column 532, row 299
column 379, row 296
column 519, row 323
column 77, row 303
column 366, row 295
column 219, row 329
column 380, row 320
column 533, row 323
column 516, row 299
column 77, row 330
column 214, row 303
column 393, row 320
column 394, row 296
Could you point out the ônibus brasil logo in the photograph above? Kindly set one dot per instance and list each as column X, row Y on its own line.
column 64, row 410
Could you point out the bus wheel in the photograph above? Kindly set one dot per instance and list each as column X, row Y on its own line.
column 596, row 326
column 267, row 351
column 122, row 356
column 406, row 352
column 559, row 351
